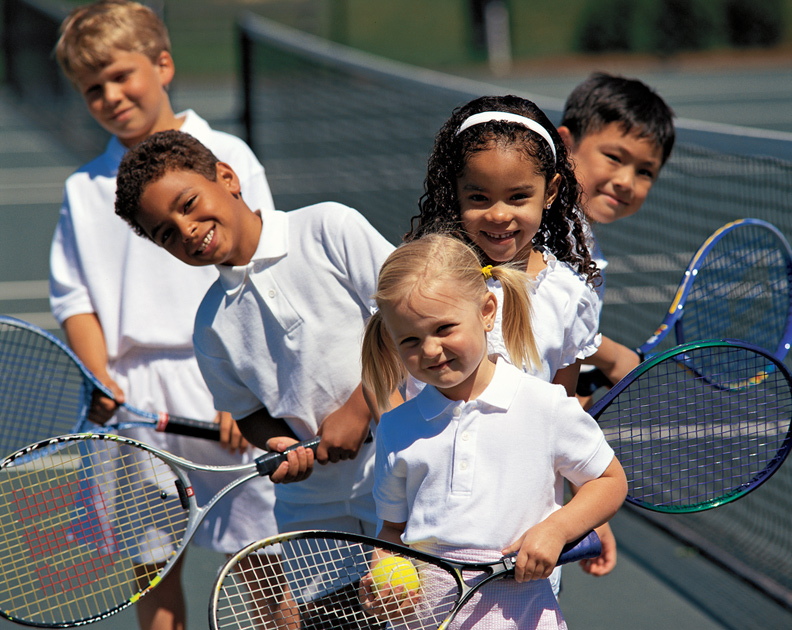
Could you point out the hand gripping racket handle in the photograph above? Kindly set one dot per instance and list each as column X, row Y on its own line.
column 268, row 464
column 587, row 547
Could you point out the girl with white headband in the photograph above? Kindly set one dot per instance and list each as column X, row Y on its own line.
column 499, row 178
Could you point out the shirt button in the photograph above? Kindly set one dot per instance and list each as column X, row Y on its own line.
column 272, row 293
column 463, row 465
column 457, row 412
column 466, row 436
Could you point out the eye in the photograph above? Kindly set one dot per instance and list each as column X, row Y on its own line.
column 645, row 172
column 409, row 342
column 188, row 205
column 165, row 236
column 445, row 329
column 613, row 157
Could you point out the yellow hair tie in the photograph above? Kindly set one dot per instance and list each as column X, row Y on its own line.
column 487, row 271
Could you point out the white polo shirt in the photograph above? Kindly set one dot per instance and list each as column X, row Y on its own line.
column 478, row 474
column 565, row 318
column 284, row 331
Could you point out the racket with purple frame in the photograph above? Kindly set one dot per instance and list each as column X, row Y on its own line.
column 738, row 285
column 91, row 522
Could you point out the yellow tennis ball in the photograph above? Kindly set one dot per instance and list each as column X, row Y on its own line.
column 395, row 571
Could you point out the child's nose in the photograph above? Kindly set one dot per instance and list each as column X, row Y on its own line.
column 431, row 347
column 500, row 212
column 112, row 93
column 624, row 178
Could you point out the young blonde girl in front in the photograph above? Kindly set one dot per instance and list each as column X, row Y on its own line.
column 500, row 179
column 473, row 466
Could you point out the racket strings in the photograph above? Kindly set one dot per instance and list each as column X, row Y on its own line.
column 687, row 443
column 40, row 386
column 315, row 584
column 83, row 526
column 742, row 290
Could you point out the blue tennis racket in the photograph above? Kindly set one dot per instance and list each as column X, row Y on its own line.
column 45, row 390
column 738, row 285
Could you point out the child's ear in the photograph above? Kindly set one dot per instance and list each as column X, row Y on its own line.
column 165, row 67
column 566, row 136
column 227, row 176
column 552, row 190
column 489, row 310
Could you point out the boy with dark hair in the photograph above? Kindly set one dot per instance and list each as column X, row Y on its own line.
column 619, row 133
column 279, row 332
column 125, row 306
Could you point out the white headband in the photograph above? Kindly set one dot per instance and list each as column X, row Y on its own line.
column 482, row 117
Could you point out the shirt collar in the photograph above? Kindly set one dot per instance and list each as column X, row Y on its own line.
column 273, row 244
column 497, row 396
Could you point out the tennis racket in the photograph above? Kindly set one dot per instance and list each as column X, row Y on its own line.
column 45, row 390
column 738, row 285
column 91, row 522
column 321, row 580
column 699, row 425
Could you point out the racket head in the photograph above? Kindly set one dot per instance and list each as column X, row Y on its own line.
column 699, row 425
column 738, row 285
column 316, row 576
column 742, row 288
column 89, row 524
column 43, row 389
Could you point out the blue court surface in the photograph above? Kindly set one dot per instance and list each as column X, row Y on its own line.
column 658, row 582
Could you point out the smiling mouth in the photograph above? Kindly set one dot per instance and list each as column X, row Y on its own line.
column 205, row 243
column 501, row 236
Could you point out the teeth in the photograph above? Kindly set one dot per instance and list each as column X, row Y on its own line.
column 206, row 241
column 499, row 237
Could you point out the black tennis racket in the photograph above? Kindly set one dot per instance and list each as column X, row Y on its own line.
column 89, row 523
column 700, row 425
column 738, row 285
column 319, row 580
column 45, row 390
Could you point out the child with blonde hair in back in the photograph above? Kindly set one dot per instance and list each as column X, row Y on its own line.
column 473, row 466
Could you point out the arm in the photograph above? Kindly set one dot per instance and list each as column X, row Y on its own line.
column 85, row 337
column 592, row 506
column 614, row 360
column 344, row 430
column 396, row 399
column 391, row 532
column 568, row 377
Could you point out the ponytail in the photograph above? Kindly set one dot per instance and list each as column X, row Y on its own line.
column 383, row 371
column 517, row 329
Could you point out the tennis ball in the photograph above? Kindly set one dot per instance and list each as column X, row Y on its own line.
column 395, row 571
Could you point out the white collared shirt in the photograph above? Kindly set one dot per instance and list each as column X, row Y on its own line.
column 143, row 296
column 478, row 474
column 565, row 318
column 284, row 331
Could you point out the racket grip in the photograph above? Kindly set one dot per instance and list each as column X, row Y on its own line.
column 587, row 547
column 267, row 464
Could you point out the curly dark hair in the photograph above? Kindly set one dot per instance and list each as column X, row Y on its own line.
column 562, row 228
column 149, row 160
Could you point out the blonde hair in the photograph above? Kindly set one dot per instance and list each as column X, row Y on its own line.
column 420, row 265
column 90, row 34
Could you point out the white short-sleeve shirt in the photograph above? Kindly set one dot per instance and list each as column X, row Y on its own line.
column 284, row 331
column 478, row 474
column 146, row 301
column 565, row 318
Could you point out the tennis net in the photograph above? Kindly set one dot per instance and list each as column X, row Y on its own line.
column 332, row 123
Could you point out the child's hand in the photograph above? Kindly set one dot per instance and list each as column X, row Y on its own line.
column 384, row 602
column 102, row 408
column 606, row 561
column 298, row 465
column 230, row 436
column 344, row 431
column 537, row 552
